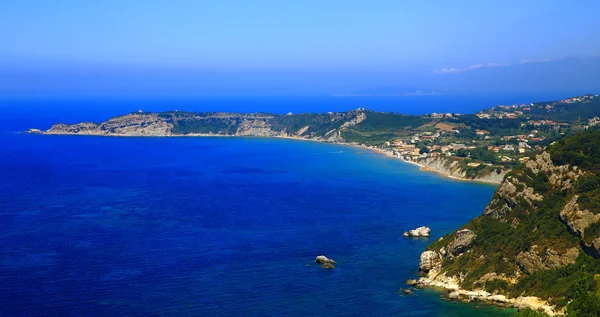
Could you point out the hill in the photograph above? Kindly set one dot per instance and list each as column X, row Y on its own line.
column 538, row 237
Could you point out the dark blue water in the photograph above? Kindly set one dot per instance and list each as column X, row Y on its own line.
column 93, row 226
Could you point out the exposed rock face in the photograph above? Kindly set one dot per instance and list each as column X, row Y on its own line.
column 453, row 168
column 418, row 232
column 461, row 243
column 507, row 197
column 537, row 259
column 429, row 260
column 325, row 262
column 577, row 220
column 129, row 125
column 220, row 123
column 513, row 190
column 561, row 176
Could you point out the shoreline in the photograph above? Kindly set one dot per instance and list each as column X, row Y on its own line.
column 421, row 167
column 453, row 292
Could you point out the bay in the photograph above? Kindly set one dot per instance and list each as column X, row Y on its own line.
column 217, row 227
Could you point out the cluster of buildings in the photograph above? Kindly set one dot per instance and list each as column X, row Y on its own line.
column 592, row 122
column 501, row 115
column 550, row 123
column 579, row 99
column 444, row 115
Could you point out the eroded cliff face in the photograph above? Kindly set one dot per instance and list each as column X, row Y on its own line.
column 127, row 125
column 452, row 167
column 532, row 224
column 318, row 127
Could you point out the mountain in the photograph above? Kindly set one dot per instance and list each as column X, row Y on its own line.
column 537, row 239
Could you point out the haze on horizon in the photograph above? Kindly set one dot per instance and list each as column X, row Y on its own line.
column 212, row 48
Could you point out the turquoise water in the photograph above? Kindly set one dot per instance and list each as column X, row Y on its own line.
column 93, row 226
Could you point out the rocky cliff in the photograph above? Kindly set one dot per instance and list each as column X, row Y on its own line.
column 453, row 167
column 538, row 236
column 324, row 127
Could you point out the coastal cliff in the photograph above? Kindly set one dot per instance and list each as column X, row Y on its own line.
column 454, row 168
column 537, row 238
column 325, row 127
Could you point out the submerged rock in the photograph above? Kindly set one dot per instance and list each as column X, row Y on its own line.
column 411, row 282
column 418, row 232
column 325, row 262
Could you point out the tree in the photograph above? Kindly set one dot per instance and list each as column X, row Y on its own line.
column 584, row 303
column 530, row 313
column 462, row 153
column 423, row 150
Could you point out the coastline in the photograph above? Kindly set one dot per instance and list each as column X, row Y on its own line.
column 454, row 292
column 421, row 167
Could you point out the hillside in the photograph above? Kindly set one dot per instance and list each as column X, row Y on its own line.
column 539, row 235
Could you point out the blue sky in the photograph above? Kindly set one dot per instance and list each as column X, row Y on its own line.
column 296, row 47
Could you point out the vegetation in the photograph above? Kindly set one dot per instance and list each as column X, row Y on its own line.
column 582, row 150
column 584, row 303
column 518, row 224
column 530, row 313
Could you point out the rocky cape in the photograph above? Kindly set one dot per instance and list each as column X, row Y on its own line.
column 339, row 127
column 538, row 236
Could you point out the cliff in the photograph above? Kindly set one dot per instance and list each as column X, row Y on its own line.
column 456, row 168
column 538, row 236
column 325, row 127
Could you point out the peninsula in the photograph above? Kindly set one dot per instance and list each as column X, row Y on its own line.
column 481, row 147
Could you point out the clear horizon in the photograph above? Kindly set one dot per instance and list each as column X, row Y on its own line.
column 268, row 48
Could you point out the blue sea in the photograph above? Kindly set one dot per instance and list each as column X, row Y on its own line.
column 99, row 226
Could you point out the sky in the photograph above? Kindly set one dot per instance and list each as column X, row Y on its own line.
column 276, row 47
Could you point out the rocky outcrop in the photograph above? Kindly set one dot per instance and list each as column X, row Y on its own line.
column 325, row 262
column 451, row 285
column 576, row 219
column 429, row 260
column 418, row 232
column 461, row 243
column 129, row 125
column 536, row 259
column 562, row 176
column 508, row 195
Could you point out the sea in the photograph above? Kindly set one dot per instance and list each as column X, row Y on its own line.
column 109, row 226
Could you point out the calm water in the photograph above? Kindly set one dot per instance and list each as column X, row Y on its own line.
column 93, row 226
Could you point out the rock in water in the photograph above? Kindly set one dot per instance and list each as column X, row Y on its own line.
column 419, row 232
column 325, row 262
